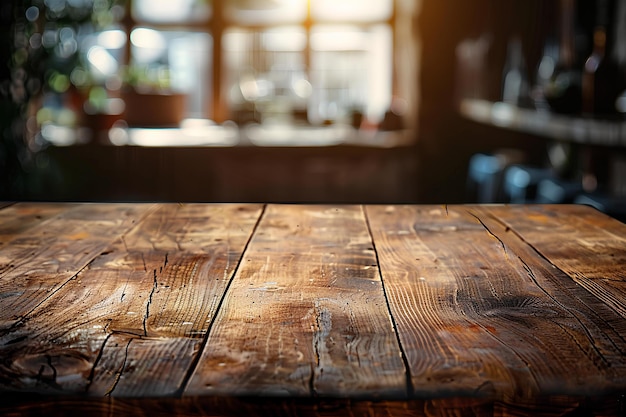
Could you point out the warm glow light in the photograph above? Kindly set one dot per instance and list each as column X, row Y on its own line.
column 147, row 38
column 351, row 10
column 284, row 39
column 162, row 11
column 266, row 11
column 112, row 39
column 150, row 44
column 253, row 89
column 339, row 39
column 353, row 60
column 302, row 88
column 102, row 61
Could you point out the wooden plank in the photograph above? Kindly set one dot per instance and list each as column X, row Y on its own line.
column 199, row 246
column 129, row 324
column 42, row 259
column 138, row 366
column 587, row 245
column 479, row 315
column 598, row 330
column 16, row 219
column 305, row 314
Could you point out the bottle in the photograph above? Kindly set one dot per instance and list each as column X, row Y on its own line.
column 562, row 92
column 515, row 85
column 601, row 75
column 619, row 53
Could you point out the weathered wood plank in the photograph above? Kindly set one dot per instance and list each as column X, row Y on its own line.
column 133, row 318
column 480, row 315
column 597, row 330
column 137, row 366
column 17, row 218
column 44, row 258
column 495, row 314
column 587, row 245
column 305, row 314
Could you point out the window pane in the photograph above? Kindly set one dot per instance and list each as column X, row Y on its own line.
column 103, row 53
column 171, row 11
column 351, row 70
column 172, row 60
column 251, row 12
column 266, row 72
column 351, row 10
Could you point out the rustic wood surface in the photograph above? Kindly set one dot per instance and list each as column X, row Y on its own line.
column 379, row 310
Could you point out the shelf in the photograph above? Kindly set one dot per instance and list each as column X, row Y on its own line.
column 203, row 133
column 542, row 123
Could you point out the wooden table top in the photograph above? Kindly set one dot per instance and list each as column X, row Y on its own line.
column 215, row 309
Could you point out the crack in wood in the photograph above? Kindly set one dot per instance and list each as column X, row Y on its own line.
column 143, row 260
column 552, row 264
column 588, row 335
column 96, row 362
column 124, row 243
column 155, row 287
column 312, row 389
column 16, row 340
column 118, row 375
column 405, row 360
column 54, row 370
column 196, row 359
column 535, row 281
column 322, row 329
column 20, row 320
column 50, row 381
column 491, row 233
column 145, row 317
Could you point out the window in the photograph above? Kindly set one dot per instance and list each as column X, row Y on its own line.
column 175, row 61
column 286, row 60
column 298, row 63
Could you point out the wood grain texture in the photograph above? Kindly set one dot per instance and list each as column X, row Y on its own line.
column 129, row 323
column 305, row 314
column 587, row 245
column 42, row 259
column 16, row 219
column 4, row 204
column 479, row 313
column 311, row 310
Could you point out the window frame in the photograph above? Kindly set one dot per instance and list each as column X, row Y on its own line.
column 216, row 25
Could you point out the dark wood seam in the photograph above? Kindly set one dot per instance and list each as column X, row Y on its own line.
column 203, row 344
column 409, row 380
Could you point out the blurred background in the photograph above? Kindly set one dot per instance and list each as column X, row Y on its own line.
column 368, row 101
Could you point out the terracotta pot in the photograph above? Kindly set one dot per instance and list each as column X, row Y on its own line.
column 154, row 109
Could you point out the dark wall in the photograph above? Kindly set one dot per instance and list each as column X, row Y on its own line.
column 338, row 174
column 446, row 139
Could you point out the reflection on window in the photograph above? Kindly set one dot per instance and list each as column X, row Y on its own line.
column 266, row 72
column 351, row 10
column 171, row 11
column 268, row 12
column 172, row 61
column 350, row 71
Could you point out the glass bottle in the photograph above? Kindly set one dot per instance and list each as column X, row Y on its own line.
column 563, row 90
column 601, row 75
column 515, row 85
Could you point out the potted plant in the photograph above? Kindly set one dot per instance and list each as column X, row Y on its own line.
column 149, row 98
